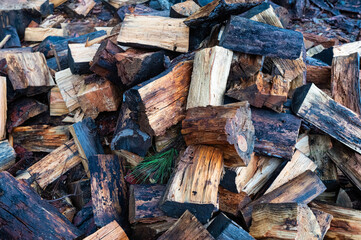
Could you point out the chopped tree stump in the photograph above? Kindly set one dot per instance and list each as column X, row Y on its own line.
column 162, row 99
column 228, row 127
column 111, row 231
column 183, row 9
column 57, row 103
column 38, row 34
column 187, row 228
column 194, row 185
column 80, row 56
column 284, row 221
column 24, row 215
column 109, row 191
column 28, row 72
column 209, row 77
column 7, row 155
column 40, row 138
column 136, row 66
column 3, row 108
column 154, row 32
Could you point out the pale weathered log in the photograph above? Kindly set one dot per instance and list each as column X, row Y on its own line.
column 7, row 155
column 111, row 231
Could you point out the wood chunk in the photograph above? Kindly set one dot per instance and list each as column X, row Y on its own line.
column 13, row 41
column 269, row 140
column 162, row 99
column 82, row 192
column 53, row 165
column 347, row 49
column 3, row 107
column 284, row 221
column 19, row 219
column 219, row 10
column 324, row 221
column 69, row 85
column 171, row 138
column 104, row 62
column 319, row 39
column 52, row 21
column 319, row 75
column 234, row 179
column 57, row 103
column 310, row 103
column 244, row 66
column 194, row 185
column 224, row 228
column 228, row 127
column 302, row 189
column 38, row 34
column 209, row 77
column 120, row 3
column 345, row 223
column 80, row 8
column 261, row 90
column 111, row 231
column 79, row 57
column 22, row 110
column 28, row 72
column 40, row 138
column 7, row 155
column 151, row 231
column 109, row 191
column 230, row 202
column 183, row 9
column 303, row 144
column 98, row 96
column 247, row 36
column 343, row 199
column 131, row 159
column 345, row 81
column 187, row 228
column 153, row 31
column 298, row 165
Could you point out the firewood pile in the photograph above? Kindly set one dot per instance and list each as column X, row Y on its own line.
column 136, row 119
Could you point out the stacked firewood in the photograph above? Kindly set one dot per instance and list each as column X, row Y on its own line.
column 199, row 120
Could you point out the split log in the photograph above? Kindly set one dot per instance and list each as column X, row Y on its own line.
column 87, row 140
column 69, row 85
column 120, row 3
column 130, row 158
column 187, row 228
column 303, row 144
column 13, row 41
column 3, row 107
column 53, row 165
column 19, row 219
column 100, row 95
column 345, row 223
column 80, row 9
column 347, row 49
column 7, row 155
column 140, row 9
column 244, row 66
column 194, row 185
column 28, row 72
column 324, row 221
column 284, row 221
column 345, row 81
column 152, row 31
column 56, row 103
column 111, row 231
column 38, row 34
column 269, row 140
column 224, row 228
column 310, row 103
column 52, row 21
column 230, row 202
column 228, row 127
column 183, row 9
column 104, row 62
column 22, row 110
column 234, row 179
column 151, row 231
column 79, row 57
column 319, row 39
column 4, row 52
column 298, row 165
column 109, row 192
column 244, row 35
column 302, row 189
column 162, row 99
column 261, row 90
column 40, row 138
column 136, row 66
column 209, row 77
column 319, row 75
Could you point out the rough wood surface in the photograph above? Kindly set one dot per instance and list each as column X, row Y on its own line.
column 131, row 158
column 38, row 34
column 153, row 31
column 80, row 56
column 81, row 8
column 319, row 75
column 120, row 3
column 187, row 228
column 108, row 188
column 244, row 66
column 230, row 202
column 194, row 184
column 324, row 221
column 183, row 9
column 347, row 49
column 56, row 103
column 7, row 155
column 111, row 231
column 13, row 41
column 19, row 219
column 313, row 105
column 3, row 108
column 303, row 144
column 228, row 127
column 209, row 77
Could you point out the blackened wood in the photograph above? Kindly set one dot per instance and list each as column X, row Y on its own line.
column 80, row 56
column 224, row 228
column 140, row 9
column 244, row 35
column 310, row 103
column 283, row 14
column 151, row 231
column 269, row 140
column 7, row 155
column 63, row 60
column 183, row 9
column 24, row 215
column 109, row 191
column 14, row 41
column 319, row 75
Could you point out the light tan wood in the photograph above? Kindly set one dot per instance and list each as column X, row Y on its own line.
column 111, row 231
column 347, row 49
column 81, row 8
column 81, row 54
column 209, row 77
column 120, row 3
column 39, row 34
column 3, row 108
column 132, row 159
column 57, row 3
column 56, row 103
column 107, row 29
column 302, row 144
column 153, row 31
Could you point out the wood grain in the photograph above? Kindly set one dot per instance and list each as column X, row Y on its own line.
column 7, row 155
column 111, row 231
